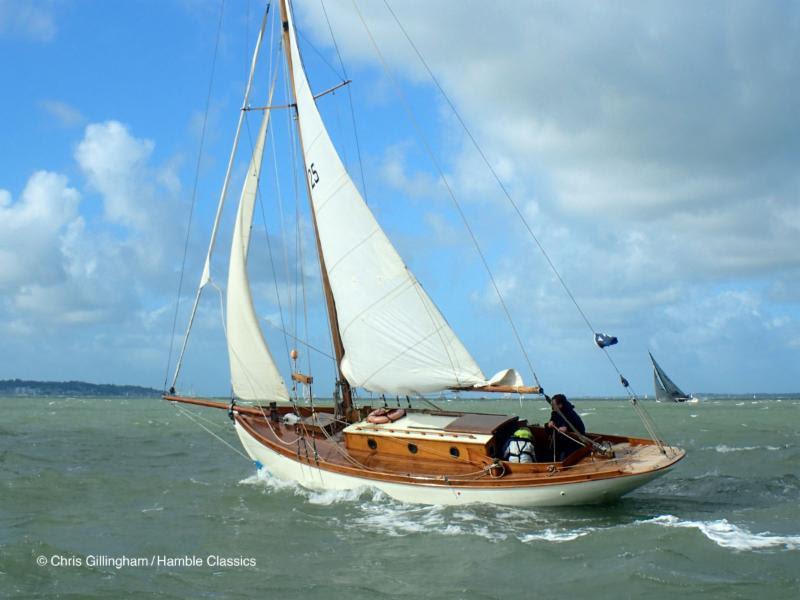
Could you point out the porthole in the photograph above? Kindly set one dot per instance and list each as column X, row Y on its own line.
column 412, row 448
column 454, row 452
column 372, row 443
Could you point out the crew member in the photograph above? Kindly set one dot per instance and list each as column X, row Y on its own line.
column 567, row 422
column 519, row 448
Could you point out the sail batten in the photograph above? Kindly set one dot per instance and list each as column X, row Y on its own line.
column 395, row 339
column 254, row 375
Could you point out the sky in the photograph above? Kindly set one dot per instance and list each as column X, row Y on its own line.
column 652, row 147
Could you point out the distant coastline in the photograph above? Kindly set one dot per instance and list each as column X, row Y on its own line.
column 21, row 387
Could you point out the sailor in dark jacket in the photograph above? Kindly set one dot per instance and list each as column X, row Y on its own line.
column 565, row 420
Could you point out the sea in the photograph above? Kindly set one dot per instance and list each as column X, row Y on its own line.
column 134, row 498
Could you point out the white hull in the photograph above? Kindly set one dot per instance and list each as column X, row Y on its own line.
column 566, row 494
column 689, row 400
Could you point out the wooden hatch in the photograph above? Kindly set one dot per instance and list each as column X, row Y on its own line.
column 479, row 423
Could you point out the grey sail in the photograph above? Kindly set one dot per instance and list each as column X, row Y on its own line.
column 661, row 393
column 666, row 390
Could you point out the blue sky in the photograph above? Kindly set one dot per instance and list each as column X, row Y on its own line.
column 653, row 148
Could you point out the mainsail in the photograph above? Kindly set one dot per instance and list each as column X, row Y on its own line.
column 394, row 337
column 254, row 375
column 666, row 390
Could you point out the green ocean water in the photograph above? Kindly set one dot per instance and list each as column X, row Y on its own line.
column 88, row 484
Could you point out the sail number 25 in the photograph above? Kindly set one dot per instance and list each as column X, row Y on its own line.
column 313, row 176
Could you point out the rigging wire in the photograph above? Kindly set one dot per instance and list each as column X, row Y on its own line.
column 304, row 343
column 305, row 304
column 192, row 418
column 300, row 280
column 293, row 161
column 439, row 169
column 193, row 202
column 297, row 156
column 301, row 260
column 283, row 228
column 631, row 393
column 260, row 198
column 206, row 275
column 350, row 98
column 261, row 206
column 307, row 42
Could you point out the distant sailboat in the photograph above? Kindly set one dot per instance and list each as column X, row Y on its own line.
column 666, row 389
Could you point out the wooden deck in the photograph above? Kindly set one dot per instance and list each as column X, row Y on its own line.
column 320, row 443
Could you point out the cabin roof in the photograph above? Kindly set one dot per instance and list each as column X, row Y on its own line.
column 422, row 426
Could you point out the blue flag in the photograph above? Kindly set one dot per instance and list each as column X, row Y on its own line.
column 602, row 340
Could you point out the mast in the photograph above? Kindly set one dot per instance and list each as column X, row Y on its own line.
column 330, row 302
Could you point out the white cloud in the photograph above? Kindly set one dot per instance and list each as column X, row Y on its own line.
column 92, row 267
column 66, row 115
column 31, row 19
column 116, row 165
column 136, row 194
column 654, row 150
column 656, row 119
column 395, row 172
column 59, row 269
column 32, row 231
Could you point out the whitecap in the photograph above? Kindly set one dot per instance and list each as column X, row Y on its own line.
column 397, row 519
column 465, row 516
column 549, row 535
column 724, row 449
column 728, row 535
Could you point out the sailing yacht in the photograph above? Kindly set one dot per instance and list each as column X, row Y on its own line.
column 389, row 338
column 666, row 389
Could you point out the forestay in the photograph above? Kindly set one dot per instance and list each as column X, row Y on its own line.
column 395, row 339
column 254, row 375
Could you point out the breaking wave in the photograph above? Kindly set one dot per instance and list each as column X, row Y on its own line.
column 495, row 524
column 370, row 509
column 728, row 535
column 724, row 449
